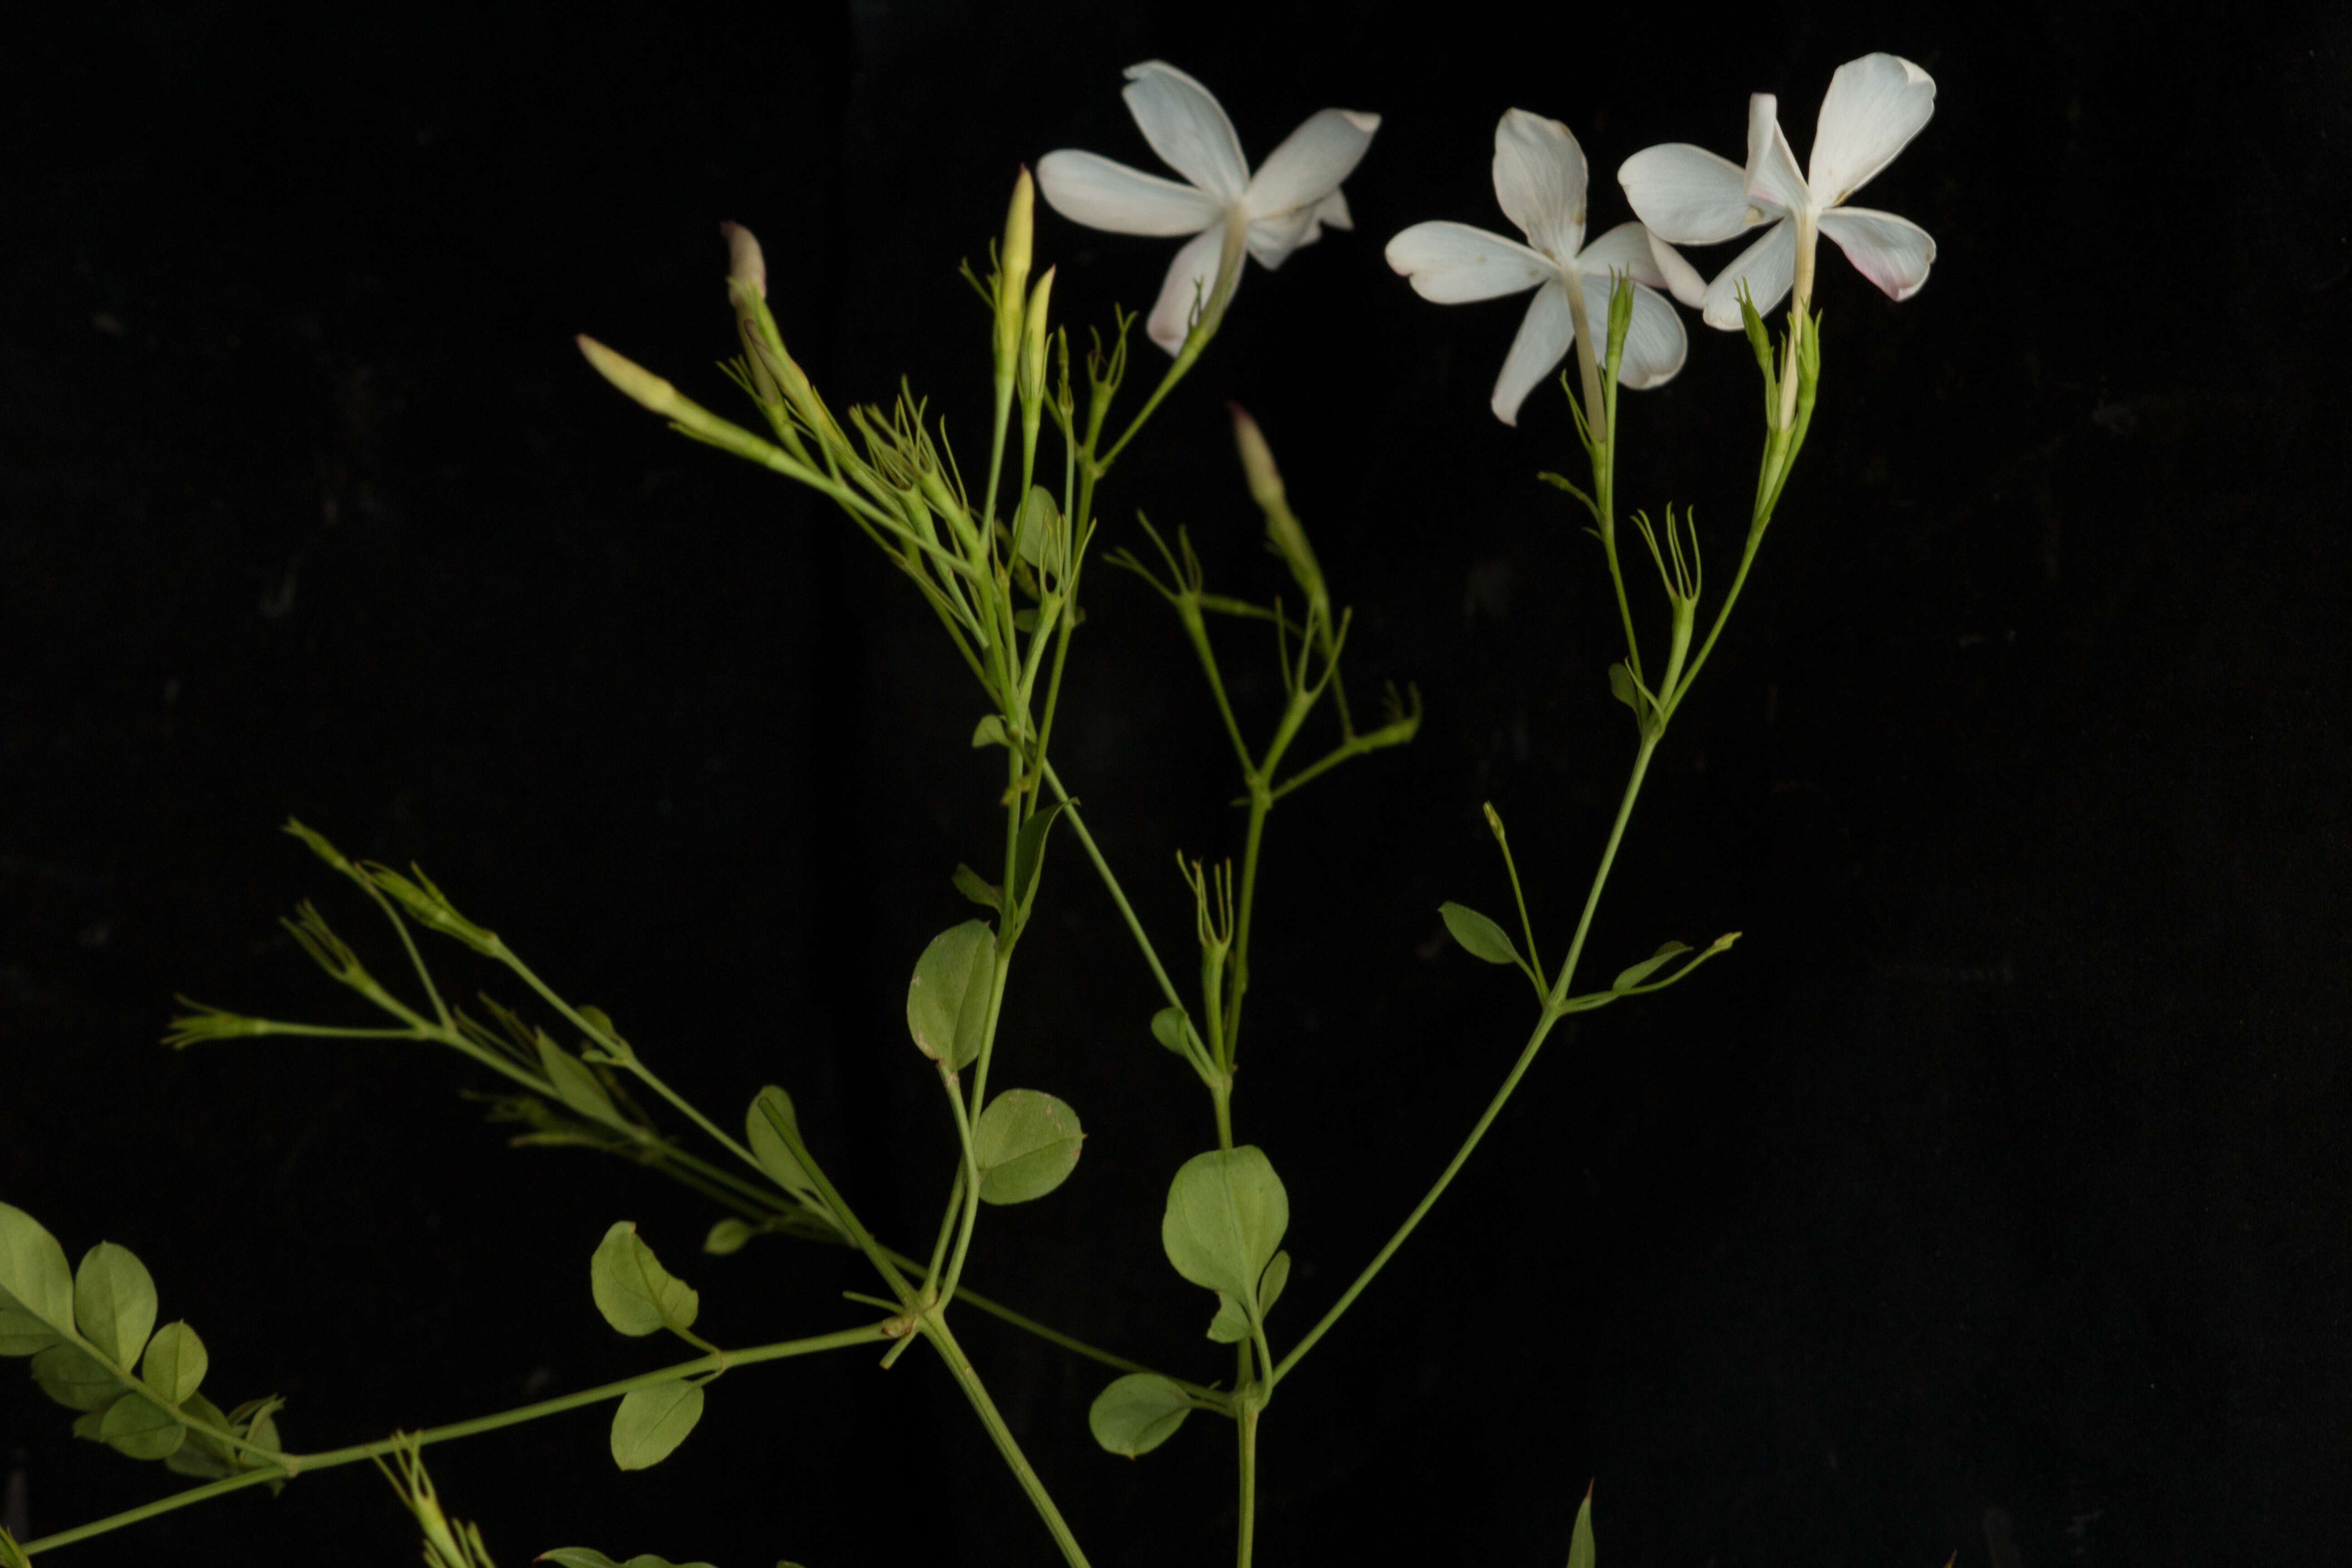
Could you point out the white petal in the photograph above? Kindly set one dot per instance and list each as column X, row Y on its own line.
column 1681, row 278
column 1769, row 267
column 1773, row 177
column 1094, row 191
column 1687, row 193
column 1333, row 209
column 1655, row 344
column 1875, row 106
column 1452, row 263
column 1183, row 121
column 1625, row 248
column 1540, row 180
column 1543, row 341
column 1192, row 284
column 1891, row 252
column 1272, row 239
column 1311, row 161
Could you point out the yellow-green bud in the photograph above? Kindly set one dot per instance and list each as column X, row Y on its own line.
column 635, row 382
column 1012, row 273
column 1258, row 460
column 1033, row 340
column 1282, row 529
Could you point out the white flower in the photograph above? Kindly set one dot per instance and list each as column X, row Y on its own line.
column 1875, row 106
column 1540, row 181
column 1223, row 206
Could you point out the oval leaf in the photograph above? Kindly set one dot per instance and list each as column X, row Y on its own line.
column 1629, row 978
column 1025, row 1145
column 652, row 1422
column 947, row 1002
column 1167, row 1028
column 33, row 1277
column 1479, row 937
column 768, row 1145
column 576, row 1083
column 68, row 1375
column 1226, row 1214
column 114, row 1303
column 21, row 1333
column 1138, row 1412
column 137, row 1426
column 1269, row 1288
column 635, row 1292
column 726, row 1236
column 176, row 1362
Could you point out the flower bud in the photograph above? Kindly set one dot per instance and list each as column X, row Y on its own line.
column 1012, row 274
column 638, row 384
column 1283, row 534
column 745, row 264
column 1033, row 340
column 1258, row 460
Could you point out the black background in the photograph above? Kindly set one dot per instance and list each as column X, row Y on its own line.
column 1999, row 1174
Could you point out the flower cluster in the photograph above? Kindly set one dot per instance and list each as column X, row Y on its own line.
column 1681, row 195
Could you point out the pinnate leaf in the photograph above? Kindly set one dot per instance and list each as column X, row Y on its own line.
column 1138, row 1412
column 652, row 1422
column 1226, row 1214
column 1479, row 937
column 1025, row 1143
column 114, row 1303
column 176, row 1362
column 946, row 1001
column 635, row 1292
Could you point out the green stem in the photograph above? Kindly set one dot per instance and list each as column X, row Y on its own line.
column 1110, row 884
column 960, row 1367
column 333, row 1457
column 1246, row 1418
column 1544, row 1021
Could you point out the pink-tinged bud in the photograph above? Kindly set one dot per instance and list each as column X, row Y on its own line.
column 745, row 264
column 1258, row 460
column 640, row 384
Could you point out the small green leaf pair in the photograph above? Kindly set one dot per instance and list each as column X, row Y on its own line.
column 638, row 1297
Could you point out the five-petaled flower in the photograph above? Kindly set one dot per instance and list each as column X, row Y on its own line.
column 1874, row 107
column 1540, row 180
column 1223, row 206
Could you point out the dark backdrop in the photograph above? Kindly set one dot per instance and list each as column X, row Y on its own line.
column 1990, row 1196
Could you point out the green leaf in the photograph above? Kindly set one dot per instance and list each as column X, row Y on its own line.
column 202, row 1455
column 1038, row 531
column 1621, row 687
column 1479, row 937
column 726, row 1236
column 114, row 1303
column 1138, row 1412
column 1580, row 1544
column 1269, row 1286
column 137, row 1426
column 1230, row 1325
column 34, row 1277
column 978, row 888
column 652, row 1422
column 988, row 731
column 581, row 1557
column 946, row 1001
column 1029, row 854
column 257, row 1422
column 21, row 1333
column 1226, row 1214
column 635, row 1292
column 1167, row 1028
column 1629, row 978
column 176, row 1362
column 768, row 1145
column 1025, row 1143
column 575, row 1082
column 67, row 1374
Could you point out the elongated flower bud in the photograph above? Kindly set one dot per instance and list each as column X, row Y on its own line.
column 635, row 382
column 745, row 263
column 1012, row 274
column 1033, row 342
column 1283, row 534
